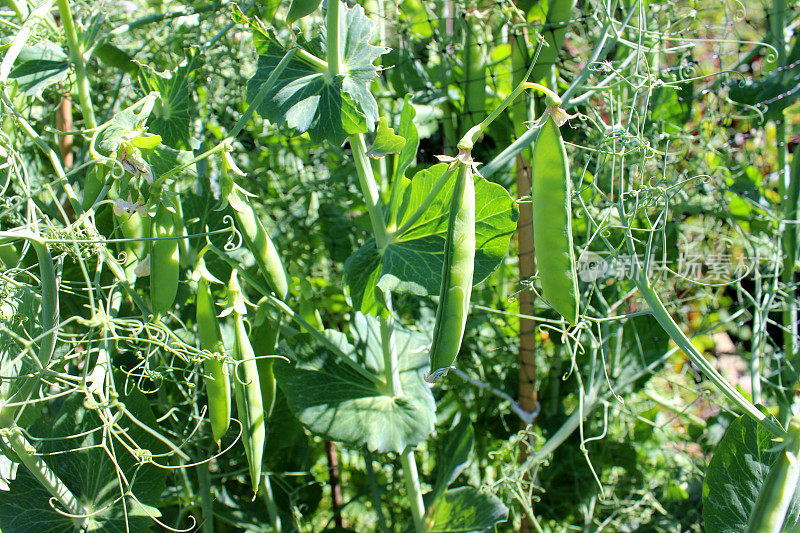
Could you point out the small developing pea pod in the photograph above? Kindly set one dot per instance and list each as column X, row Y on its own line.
column 246, row 384
column 164, row 259
column 457, row 271
column 552, row 222
column 778, row 490
column 218, row 386
column 255, row 236
column 264, row 334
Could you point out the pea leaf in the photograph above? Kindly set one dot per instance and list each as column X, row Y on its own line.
column 307, row 99
column 454, row 453
column 735, row 475
column 89, row 472
column 127, row 124
column 386, row 141
column 467, row 510
column 334, row 401
column 173, row 111
column 39, row 66
column 408, row 131
column 412, row 261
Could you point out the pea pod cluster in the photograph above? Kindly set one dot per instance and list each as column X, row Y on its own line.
column 247, row 384
column 552, row 222
column 779, row 487
column 164, row 258
column 218, row 387
column 457, row 271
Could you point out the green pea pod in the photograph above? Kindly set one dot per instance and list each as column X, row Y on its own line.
column 164, row 261
column 114, row 57
column 459, row 264
column 247, row 386
column 218, row 385
column 260, row 245
column 264, row 336
column 779, row 487
column 552, row 222
column 300, row 9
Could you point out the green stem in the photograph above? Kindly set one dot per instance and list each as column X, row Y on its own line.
column 376, row 493
column 45, row 475
column 390, row 356
column 269, row 500
column 332, row 28
column 262, row 93
column 206, row 503
column 414, row 490
column 76, row 57
column 369, row 188
column 20, row 10
column 672, row 329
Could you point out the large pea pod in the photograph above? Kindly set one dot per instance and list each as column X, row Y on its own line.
column 247, row 386
column 457, row 271
column 264, row 335
column 552, row 222
column 164, row 259
column 260, row 245
column 779, row 487
column 218, row 387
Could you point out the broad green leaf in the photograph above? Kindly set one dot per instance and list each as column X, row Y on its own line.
column 306, row 98
column 89, row 473
column 300, row 9
column 40, row 66
column 467, row 510
column 127, row 124
column 735, row 475
column 175, row 108
column 412, row 261
column 456, row 448
column 408, row 131
column 334, row 401
column 386, row 141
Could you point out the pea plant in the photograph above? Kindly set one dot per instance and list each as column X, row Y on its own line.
column 429, row 254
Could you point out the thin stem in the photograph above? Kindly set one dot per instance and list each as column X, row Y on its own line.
column 262, row 93
column 269, row 500
column 376, row 493
column 332, row 42
column 45, row 475
column 414, row 490
column 206, row 503
column 77, row 59
column 369, row 188
column 672, row 329
column 390, row 356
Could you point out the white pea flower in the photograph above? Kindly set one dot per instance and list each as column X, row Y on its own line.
column 142, row 268
column 127, row 207
column 131, row 160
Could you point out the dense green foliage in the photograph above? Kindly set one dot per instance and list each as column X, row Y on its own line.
column 238, row 241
